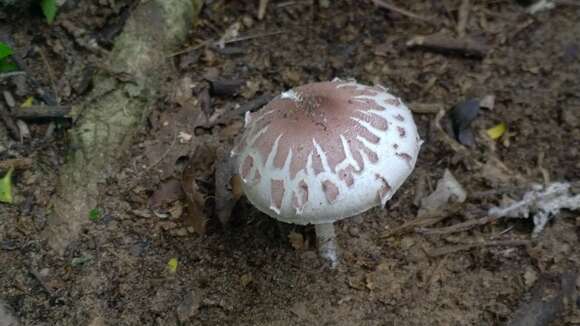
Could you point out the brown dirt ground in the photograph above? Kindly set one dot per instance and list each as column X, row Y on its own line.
column 252, row 274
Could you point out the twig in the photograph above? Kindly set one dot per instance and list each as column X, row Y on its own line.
column 250, row 106
column 16, row 163
column 460, row 227
column 464, row 10
column 42, row 112
column 262, row 9
column 253, row 36
column 11, row 74
column 50, row 72
column 38, row 277
column 414, row 223
column 191, row 48
column 494, row 243
column 426, row 108
column 214, row 42
column 404, row 12
column 443, row 43
column 455, row 146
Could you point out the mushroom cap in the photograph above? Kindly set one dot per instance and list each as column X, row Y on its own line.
column 326, row 151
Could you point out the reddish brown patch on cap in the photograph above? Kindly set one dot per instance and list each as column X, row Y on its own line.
column 393, row 101
column 372, row 155
column 277, row 188
column 400, row 117
column 346, row 175
column 405, row 157
column 401, row 131
column 330, row 190
column 247, row 166
column 379, row 122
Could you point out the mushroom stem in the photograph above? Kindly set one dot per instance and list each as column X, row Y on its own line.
column 327, row 246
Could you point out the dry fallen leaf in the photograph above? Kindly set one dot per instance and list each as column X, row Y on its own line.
column 497, row 131
column 169, row 191
column 195, row 201
column 296, row 240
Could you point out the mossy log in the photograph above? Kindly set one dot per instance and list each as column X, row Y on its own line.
column 116, row 108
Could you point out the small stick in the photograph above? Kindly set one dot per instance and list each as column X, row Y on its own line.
column 38, row 277
column 262, row 9
column 50, row 72
column 426, row 108
column 191, row 48
column 444, row 43
column 495, row 243
column 404, row 12
column 464, row 10
column 460, row 227
column 42, row 112
column 11, row 74
column 417, row 222
column 455, row 146
column 233, row 40
column 253, row 36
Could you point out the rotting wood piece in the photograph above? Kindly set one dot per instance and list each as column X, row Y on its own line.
column 444, row 43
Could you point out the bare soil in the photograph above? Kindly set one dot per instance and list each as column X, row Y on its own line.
column 262, row 272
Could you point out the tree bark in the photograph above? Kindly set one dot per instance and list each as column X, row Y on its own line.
column 115, row 109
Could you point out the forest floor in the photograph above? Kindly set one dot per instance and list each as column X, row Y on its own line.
column 122, row 271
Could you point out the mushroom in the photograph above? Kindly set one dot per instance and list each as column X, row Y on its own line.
column 326, row 151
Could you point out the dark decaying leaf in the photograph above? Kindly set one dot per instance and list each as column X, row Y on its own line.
column 199, row 164
column 205, row 101
column 461, row 117
column 169, row 191
column 225, row 87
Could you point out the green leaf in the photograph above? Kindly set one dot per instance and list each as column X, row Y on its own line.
column 7, row 66
column 6, row 187
column 5, row 50
column 95, row 215
column 172, row 265
column 82, row 260
column 49, row 9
